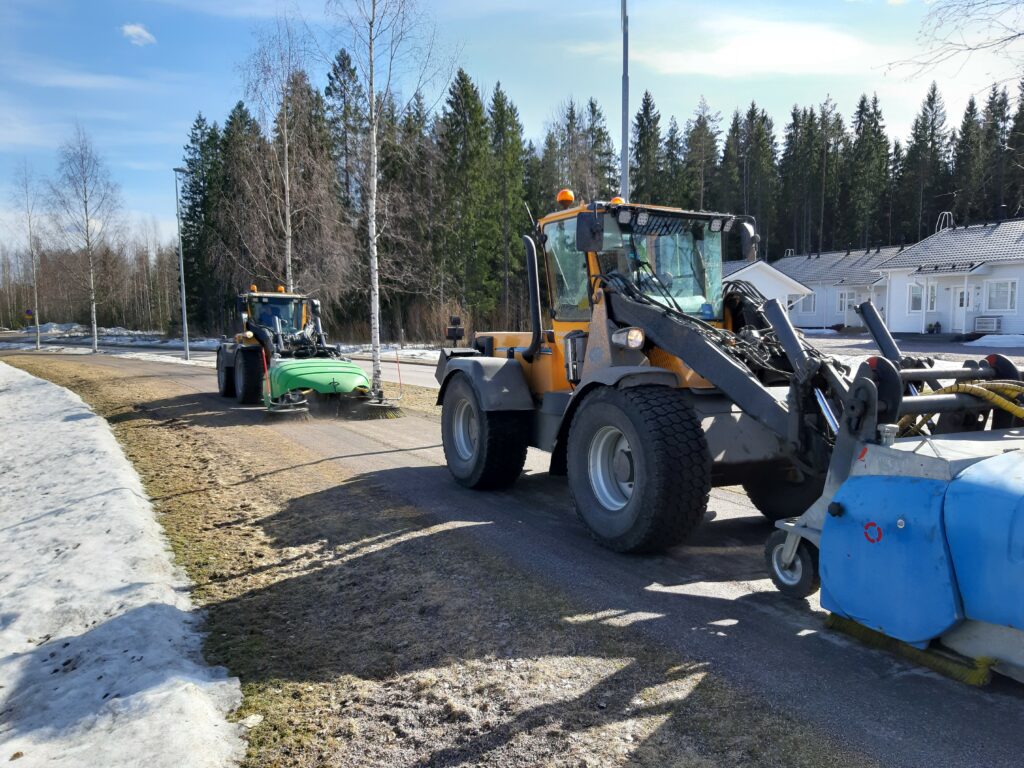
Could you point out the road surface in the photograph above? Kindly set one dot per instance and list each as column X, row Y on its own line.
column 708, row 600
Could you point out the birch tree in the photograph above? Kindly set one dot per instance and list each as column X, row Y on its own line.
column 85, row 204
column 391, row 41
column 26, row 199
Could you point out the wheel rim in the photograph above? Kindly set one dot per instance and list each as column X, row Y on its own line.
column 465, row 430
column 789, row 575
column 611, row 468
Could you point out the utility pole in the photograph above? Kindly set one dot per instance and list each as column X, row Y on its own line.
column 624, row 153
column 181, row 263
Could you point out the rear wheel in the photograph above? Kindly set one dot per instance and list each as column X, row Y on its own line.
column 248, row 375
column 639, row 468
column 225, row 376
column 800, row 578
column 779, row 493
column 483, row 449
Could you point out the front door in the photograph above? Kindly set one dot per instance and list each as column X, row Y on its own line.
column 961, row 301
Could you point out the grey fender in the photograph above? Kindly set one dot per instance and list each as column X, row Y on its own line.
column 620, row 376
column 499, row 383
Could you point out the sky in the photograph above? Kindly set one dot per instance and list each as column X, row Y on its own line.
column 135, row 74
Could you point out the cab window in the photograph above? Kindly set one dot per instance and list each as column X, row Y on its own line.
column 567, row 270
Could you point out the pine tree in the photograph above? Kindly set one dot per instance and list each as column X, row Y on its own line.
column 867, row 173
column 200, row 192
column 465, row 152
column 646, row 153
column 926, row 176
column 507, row 165
column 995, row 134
column 675, row 190
column 602, row 181
column 968, row 166
column 730, row 176
column 701, row 155
column 345, row 101
column 759, row 180
column 1015, row 158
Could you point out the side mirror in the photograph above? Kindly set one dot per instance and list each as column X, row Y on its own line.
column 748, row 241
column 589, row 231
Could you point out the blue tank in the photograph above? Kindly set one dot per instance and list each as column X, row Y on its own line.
column 984, row 517
column 884, row 561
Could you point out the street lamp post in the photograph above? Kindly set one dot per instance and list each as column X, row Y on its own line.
column 181, row 263
column 624, row 150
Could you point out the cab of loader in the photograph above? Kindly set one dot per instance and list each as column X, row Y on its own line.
column 293, row 311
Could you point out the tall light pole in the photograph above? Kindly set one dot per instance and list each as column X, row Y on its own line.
column 181, row 263
column 624, row 154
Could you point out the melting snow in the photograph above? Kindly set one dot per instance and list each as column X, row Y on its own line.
column 99, row 643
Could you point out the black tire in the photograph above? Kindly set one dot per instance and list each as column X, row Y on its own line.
column 483, row 449
column 225, row 376
column 248, row 370
column 801, row 579
column 663, row 474
column 777, row 496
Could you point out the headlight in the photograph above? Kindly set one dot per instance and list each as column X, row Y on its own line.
column 624, row 216
column 630, row 338
column 642, row 218
column 716, row 225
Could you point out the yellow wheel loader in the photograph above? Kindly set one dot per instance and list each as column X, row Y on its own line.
column 653, row 382
column 898, row 488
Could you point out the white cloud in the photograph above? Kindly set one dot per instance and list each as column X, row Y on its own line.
column 751, row 48
column 138, row 35
column 43, row 74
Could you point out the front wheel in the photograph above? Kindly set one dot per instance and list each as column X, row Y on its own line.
column 248, row 371
column 639, row 468
column 483, row 449
column 800, row 578
column 778, row 493
column 225, row 376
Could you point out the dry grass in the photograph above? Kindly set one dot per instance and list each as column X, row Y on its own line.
column 365, row 633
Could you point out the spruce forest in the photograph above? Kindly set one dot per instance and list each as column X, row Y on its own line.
column 457, row 184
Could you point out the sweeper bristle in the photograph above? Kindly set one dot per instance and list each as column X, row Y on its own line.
column 976, row 672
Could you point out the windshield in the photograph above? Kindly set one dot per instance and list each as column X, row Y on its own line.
column 668, row 256
column 263, row 310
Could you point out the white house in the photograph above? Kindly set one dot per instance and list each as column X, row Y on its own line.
column 839, row 281
column 965, row 278
column 767, row 279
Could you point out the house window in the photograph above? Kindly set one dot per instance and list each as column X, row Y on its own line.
column 846, row 300
column 1001, row 296
column 914, row 297
column 933, row 296
column 807, row 304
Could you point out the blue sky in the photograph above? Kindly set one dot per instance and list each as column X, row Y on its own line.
column 136, row 73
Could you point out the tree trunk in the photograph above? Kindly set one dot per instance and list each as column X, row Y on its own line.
column 371, row 219
column 287, row 204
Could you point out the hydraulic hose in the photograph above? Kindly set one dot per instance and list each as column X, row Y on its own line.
column 1000, row 394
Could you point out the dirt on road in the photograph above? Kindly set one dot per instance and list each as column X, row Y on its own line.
column 367, row 633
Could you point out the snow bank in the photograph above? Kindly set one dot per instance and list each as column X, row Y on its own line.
column 99, row 644
column 388, row 351
column 998, row 340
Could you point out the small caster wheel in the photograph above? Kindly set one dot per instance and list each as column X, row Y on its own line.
column 800, row 578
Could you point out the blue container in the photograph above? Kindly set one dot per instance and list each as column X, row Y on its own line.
column 884, row 562
column 984, row 515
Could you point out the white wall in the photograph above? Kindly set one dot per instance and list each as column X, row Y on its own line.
column 826, row 306
column 901, row 319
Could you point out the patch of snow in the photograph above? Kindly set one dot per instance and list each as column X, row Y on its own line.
column 388, row 351
column 99, row 642
column 154, row 358
column 818, row 331
column 998, row 340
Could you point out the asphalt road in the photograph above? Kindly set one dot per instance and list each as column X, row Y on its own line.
column 708, row 600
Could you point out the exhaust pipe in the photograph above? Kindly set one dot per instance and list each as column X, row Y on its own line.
column 533, row 285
